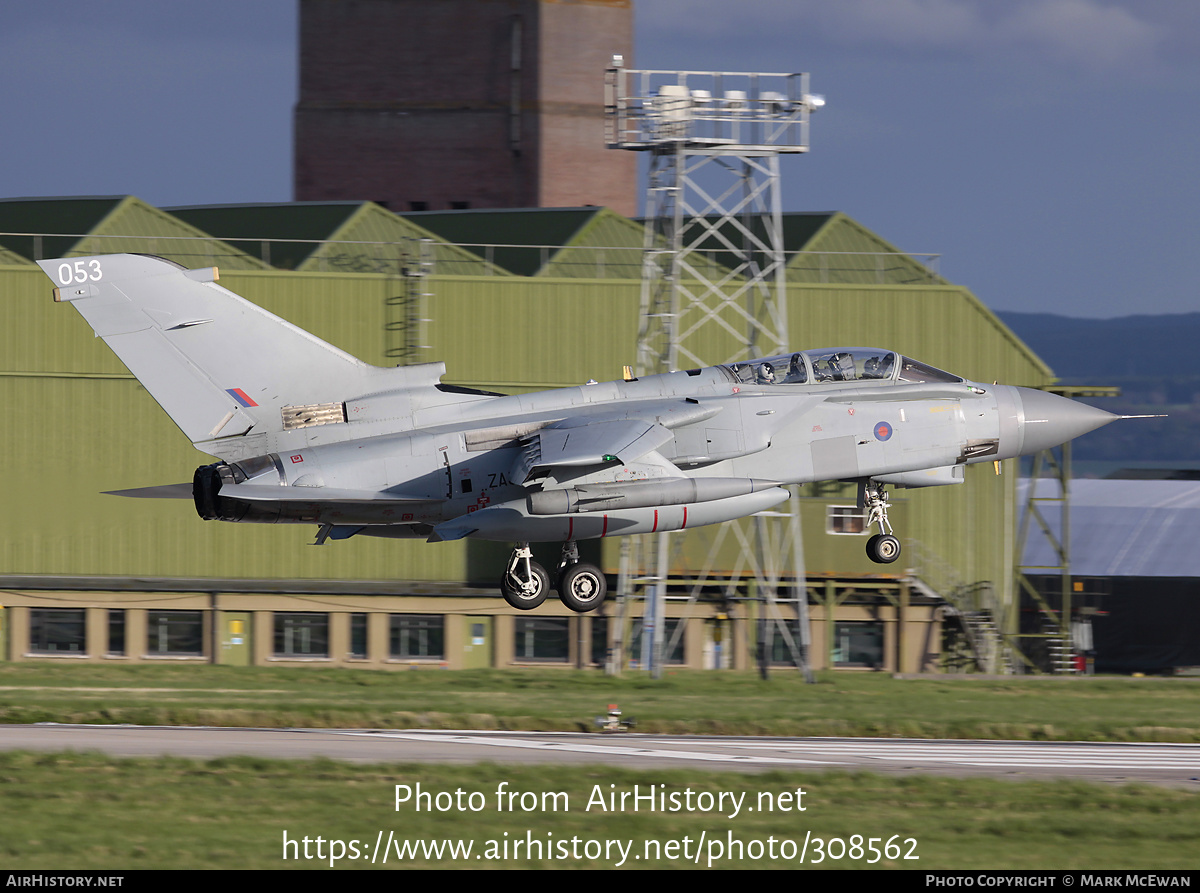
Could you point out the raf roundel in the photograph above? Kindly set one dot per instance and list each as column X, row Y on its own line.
column 883, row 431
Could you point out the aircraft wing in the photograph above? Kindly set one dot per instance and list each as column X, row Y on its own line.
column 582, row 441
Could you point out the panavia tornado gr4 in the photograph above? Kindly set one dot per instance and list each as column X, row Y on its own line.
column 307, row 434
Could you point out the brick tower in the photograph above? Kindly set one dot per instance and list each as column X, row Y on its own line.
column 436, row 104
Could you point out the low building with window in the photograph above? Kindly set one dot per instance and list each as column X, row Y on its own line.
column 854, row 624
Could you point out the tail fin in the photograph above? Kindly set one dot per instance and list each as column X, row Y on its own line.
column 219, row 365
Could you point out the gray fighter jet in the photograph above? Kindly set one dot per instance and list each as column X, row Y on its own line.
column 309, row 434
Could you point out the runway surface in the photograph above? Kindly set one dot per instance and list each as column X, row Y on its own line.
column 1172, row 764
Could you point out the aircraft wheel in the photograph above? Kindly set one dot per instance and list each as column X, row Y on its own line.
column 582, row 588
column 883, row 548
column 526, row 599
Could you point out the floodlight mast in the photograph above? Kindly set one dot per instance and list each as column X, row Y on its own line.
column 713, row 257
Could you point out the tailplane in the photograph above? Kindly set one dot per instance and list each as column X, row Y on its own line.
column 220, row 366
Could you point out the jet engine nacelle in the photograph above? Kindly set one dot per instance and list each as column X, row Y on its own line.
column 212, row 506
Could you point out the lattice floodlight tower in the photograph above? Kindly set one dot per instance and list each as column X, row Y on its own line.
column 714, row 240
column 713, row 273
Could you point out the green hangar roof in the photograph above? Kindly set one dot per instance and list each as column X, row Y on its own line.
column 51, row 215
column 516, row 239
column 824, row 246
column 347, row 237
column 110, row 225
column 831, row 247
column 558, row 242
column 7, row 256
column 565, row 243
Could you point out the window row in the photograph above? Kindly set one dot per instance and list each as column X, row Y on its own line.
column 64, row 631
column 299, row 635
column 547, row 639
column 856, row 643
column 181, row 633
column 304, row 634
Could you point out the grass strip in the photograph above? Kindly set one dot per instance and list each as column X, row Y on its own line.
column 840, row 704
column 85, row 811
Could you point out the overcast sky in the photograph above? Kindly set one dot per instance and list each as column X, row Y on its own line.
column 1047, row 149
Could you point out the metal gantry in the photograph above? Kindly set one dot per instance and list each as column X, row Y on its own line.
column 714, row 290
column 1063, row 631
column 1043, row 506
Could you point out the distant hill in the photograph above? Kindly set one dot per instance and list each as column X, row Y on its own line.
column 1154, row 360
column 1128, row 346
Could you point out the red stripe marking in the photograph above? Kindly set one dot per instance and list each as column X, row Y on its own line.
column 570, row 527
column 684, row 517
column 604, row 532
column 655, row 521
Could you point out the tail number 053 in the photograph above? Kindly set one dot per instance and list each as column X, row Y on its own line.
column 82, row 271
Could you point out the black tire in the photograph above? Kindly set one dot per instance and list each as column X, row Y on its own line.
column 883, row 548
column 522, row 600
column 582, row 588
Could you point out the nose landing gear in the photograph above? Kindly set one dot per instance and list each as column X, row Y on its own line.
column 883, row 547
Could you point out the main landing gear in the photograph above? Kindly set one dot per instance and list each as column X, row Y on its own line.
column 581, row 587
column 525, row 584
column 882, row 548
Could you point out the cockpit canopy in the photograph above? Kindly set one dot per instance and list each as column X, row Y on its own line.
column 837, row 364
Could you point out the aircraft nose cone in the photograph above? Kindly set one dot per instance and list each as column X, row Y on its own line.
column 1048, row 419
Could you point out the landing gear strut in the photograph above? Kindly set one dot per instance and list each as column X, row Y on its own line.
column 882, row 548
column 525, row 584
column 581, row 587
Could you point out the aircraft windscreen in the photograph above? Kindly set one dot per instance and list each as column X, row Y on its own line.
column 807, row 367
column 851, row 364
column 785, row 369
column 919, row 373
